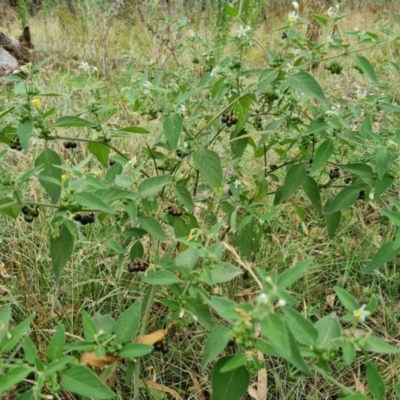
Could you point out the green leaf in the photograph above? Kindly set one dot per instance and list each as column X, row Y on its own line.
column 328, row 330
column 393, row 216
column 135, row 350
column 225, row 308
column 48, row 160
column 291, row 275
column 30, row 350
column 231, row 385
column 57, row 365
column 364, row 171
column 235, row 362
column 134, row 129
column 162, row 277
column 231, row 11
column 153, row 227
column 202, row 313
column 348, row 301
column 114, row 246
column 349, row 352
column 90, row 329
column 322, row 155
column 365, row 66
column 357, row 396
column 382, row 162
column 7, row 345
column 184, row 197
column 82, row 381
column 377, row 345
column 311, row 189
column 294, row 178
column 5, row 314
column 61, row 248
column 104, row 323
column 24, row 132
column 382, row 185
column 209, row 165
column 215, row 344
column 152, row 186
column 127, row 324
column 67, row 121
column 13, row 376
column 332, row 222
column 57, row 343
column 93, row 202
column 344, row 199
column 266, row 78
column 302, row 329
column 306, row 83
column 388, row 252
column 172, row 129
column 100, row 151
column 188, row 259
column 224, row 272
column 375, row 381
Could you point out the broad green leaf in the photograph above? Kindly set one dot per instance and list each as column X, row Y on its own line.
column 188, row 259
column 388, row 252
column 172, row 129
column 375, row 381
column 7, row 345
column 24, row 131
column 30, row 350
column 82, row 381
column 231, row 385
column 363, row 63
column 114, row 246
column 224, row 272
column 291, row 275
column 13, row 376
column 57, row 365
column 266, row 78
column 349, row 352
column 224, row 307
column 305, row 83
column 57, row 343
column 135, row 350
column 379, row 346
column 202, row 313
column 357, row 396
column 235, row 362
column 89, row 327
column 61, row 248
column 127, row 324
column 162, row 277
column 322, row 155
column 294, row 178
column 151, row 186
column 311, row 189
column 332, row 222
column 184, row 197
column 329, row 330
column 302, row 329
column 48, row 160
column 92, row 202
column 215, row 344
column 153, row 227
column 364, row 171
column 100, row 151
column 344, row 199
column 134, row 129
column 393, row 216
column 231, row 11
column 5, row 314
column 381, row 185
column 242, row 110
column 382, row 162
column 209, row 165
column 104, row 323
column 348, row 301
column 67, row 121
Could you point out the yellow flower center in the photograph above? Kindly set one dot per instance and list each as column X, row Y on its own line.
column 358, row 314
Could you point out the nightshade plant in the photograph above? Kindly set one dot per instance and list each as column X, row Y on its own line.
column 215, row 113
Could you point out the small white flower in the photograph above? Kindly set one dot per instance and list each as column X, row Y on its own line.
column 236, row 183
column 362, row 313
column 393, row 144
column 194, row 317
column 9, row 336
column 261, row 221
column 182, row 109
column 151, row 62
column 182, row 313
column 242, row 31
column 288, row 67
column 361, row 94
column 335, row 110
column 371, row 196
column 132, row 162
column 281, row 303
column 330, row 39
column 292, row 17
column 101, row 331
column 147, row 84
column 191, row 33
column 295, row 5
column 262, row 299
column 268, row 279
column 214, row 72
column 85, row 66
column 332, row 11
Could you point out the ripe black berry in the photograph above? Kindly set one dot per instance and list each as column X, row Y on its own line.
column 111, row 163
column 284, row 35
column 180, row 153
column 158, row 346
column 35, row 212
column 334, row 173
column 361, row 195
column 85, row 220
column 164, row 349
column 231, row 343
column 25, row 210
column 174, row 211
column 77, row 217
column 273, row 167
column 67, row 145
column 347, row 180
column 28, row 218
column 132, row 267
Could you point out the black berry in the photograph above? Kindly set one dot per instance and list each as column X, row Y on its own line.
column 77, row 217
column 111, row 163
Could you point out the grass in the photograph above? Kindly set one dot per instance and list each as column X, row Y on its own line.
column 93, row 279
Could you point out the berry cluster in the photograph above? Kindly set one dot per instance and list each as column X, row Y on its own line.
column 161, row 347
column 335, row 68
column 229, row 118
column 273, row 167
column 334, row 174
column 138, row 265
column 84, row 219
column 30, row 213
column 347, row 180
column 70, row 145
column 15, row 144
column 174, row 211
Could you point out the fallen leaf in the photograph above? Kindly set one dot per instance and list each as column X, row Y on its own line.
column 91, row 360
column 196, row 388
column 154, row 337
column 330, row 300
column 3, row 272
column 161, row 388
column 262, row 385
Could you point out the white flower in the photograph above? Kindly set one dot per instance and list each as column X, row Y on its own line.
column 393, row 144
column 268, row 279
column 236, row 183
column 261, row 221
column 182, row 109
column 371, row 196
column 214, row 72
column 335, row 110
column 147, row 84
column 85, row 66
column 151, row 62
column 242, row 31
column 332, row 11
column 330, row 39
column 295, row 5
column 132, row 162
column 361, row 313
column 182, row 313
column 281, row 303
column 191, row 33
column 361, row 94
column 262, row 299
column 288, row 67
column 292, row 17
